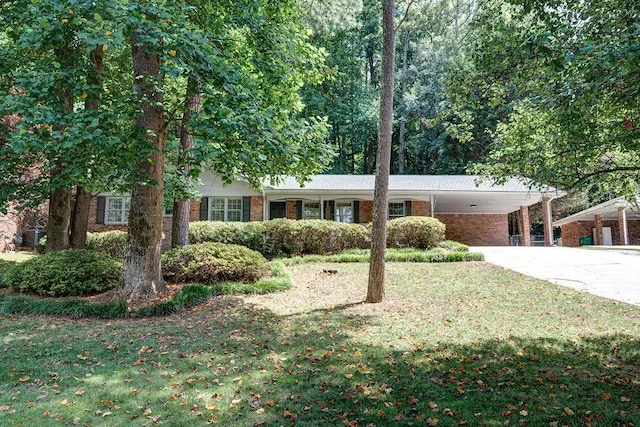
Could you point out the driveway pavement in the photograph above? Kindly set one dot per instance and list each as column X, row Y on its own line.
column 610, row 273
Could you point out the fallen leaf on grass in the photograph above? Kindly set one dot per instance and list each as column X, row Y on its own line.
column 569, row 411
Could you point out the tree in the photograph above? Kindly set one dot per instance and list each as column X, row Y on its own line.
column 375, row 289
column 574, row 121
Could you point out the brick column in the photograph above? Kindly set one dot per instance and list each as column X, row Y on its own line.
column 525, row 226
column 622, row 225
column 546, row 221
column 597, row 219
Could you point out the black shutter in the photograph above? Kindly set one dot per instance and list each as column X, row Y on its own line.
column 246, row 209
column 204, row 209
column 356, row 211
column 101, row 209
column 299, row 209
column 407, row 208
column 331, row 211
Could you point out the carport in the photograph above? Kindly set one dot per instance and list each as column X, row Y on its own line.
column 612, row 223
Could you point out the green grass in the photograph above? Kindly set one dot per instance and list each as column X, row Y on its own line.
column 16, row 256
column 394, row 255
column 452, row 344
column 610, row 248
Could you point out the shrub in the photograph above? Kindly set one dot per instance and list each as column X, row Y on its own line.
column 453, row 246
column 4, row 264
column 249, row 234
column 313, row 236
column 278, row 281
column 71, row 272
column 110, row 243
column 213, row 262
column 415, row 231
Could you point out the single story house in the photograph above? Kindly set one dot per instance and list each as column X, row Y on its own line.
column 474, row 214
column 616, row 222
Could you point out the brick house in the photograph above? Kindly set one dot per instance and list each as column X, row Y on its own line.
column 473, row 214
column 612, row 223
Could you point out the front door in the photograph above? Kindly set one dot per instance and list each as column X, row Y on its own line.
column 277, row 210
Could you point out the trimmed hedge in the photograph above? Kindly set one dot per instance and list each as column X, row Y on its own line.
column 110, row 243
column 213, row 262
column 72, row 272
column 283, row 237
column 421, row 232
column 188, row 296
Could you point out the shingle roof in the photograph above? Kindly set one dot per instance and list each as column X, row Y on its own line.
column 431, row 183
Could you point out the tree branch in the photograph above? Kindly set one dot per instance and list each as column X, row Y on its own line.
column 406, row 15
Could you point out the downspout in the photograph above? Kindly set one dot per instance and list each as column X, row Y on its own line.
column 432, row 205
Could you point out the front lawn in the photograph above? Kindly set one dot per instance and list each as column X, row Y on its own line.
column 453, row 344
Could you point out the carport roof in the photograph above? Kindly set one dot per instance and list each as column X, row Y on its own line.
column 460, row 194
column 608, row 210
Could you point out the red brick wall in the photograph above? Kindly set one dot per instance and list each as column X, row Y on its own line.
column 257, row 208
column 572, row 232
column 292, row 209
column 366, row 211
column 477, row 230
column 420, row 208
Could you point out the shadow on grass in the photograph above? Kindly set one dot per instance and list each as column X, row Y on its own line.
column 237, row 364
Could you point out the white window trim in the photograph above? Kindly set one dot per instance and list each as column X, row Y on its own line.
column 404, row 211
column 124, row 213
column 336, row 217
column 305, row 203
column 226, row 208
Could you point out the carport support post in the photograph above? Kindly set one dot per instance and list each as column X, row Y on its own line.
column 597, row 219
column 546, row 220
column 525, row 226
column 622, row 225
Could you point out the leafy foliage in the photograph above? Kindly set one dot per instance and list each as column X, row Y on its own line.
column 71, row 272
column 280, row 237
column 110, row 243
column 571, row 75
column 279, row 280
column 212, row 262
column 415, row 231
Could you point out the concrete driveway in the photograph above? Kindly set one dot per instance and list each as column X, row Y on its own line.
column 610, row 273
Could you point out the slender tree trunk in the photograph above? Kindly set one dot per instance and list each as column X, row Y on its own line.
column 80, row 218
column 403, row 120
column 181, row 208
column 60, row 198
column 375, row 289
column 142, row 277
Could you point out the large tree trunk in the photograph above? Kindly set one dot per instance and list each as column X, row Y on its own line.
column 403, row 120
column 375, row 289
column 142, row 277
column 80, row 218
column 181, row 208
column 60, row 197
column 59, row 218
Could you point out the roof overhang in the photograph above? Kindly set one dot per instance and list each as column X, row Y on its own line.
column 608, row 210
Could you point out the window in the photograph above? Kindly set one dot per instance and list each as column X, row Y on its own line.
column 396, row 210
column 311, row 210
column 344, row 212
column 225, row 209
column 118, row 210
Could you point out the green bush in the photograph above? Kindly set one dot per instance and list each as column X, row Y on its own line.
column 283, row 237
column 213, row 262
column 108, row 242
column 4, row 264
column 415, row 231
column 453, row 246
column 71, row 272
column 279, row 280
column 249, row 234
column 313, row 236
